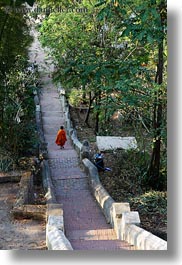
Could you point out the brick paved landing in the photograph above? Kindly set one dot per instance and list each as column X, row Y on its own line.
column 85, row 224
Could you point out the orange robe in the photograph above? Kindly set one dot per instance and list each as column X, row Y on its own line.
column 61, row 137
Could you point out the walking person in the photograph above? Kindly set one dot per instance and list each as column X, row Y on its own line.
column 61, row 137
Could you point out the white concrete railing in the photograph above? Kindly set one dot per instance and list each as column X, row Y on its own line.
column 125, row 222
column 55, row 236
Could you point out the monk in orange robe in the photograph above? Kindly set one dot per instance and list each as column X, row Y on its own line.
column 61, row 137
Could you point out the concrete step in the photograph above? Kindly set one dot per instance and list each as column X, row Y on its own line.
column 47, row 106
column 109, row 245
column 55, row 151
column 97, row 234
column 51, row 113
column 97, row 239
column 51, row 129
column 55, row 120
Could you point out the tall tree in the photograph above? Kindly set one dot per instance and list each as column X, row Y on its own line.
column 16, row 84
column 154, row 168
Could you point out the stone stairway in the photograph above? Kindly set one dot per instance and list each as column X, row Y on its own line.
column 84, row 223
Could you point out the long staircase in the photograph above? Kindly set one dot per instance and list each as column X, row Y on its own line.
column 85, row 225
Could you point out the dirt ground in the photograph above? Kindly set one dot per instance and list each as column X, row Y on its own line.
column 18, row 234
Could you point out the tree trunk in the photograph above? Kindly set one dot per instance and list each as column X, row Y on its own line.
column 84, row 95
column 89, row 108
column 97, row 113
column 3, row 26
column 154, row 168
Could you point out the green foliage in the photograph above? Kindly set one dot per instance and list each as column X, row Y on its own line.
column 152, row 198
column 112, row 53
column 17, row 85
column 17, row 129
column 6, row 161
column 151, row 204
column 75, row 97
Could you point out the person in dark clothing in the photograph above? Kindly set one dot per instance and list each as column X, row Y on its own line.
column 99, row 161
